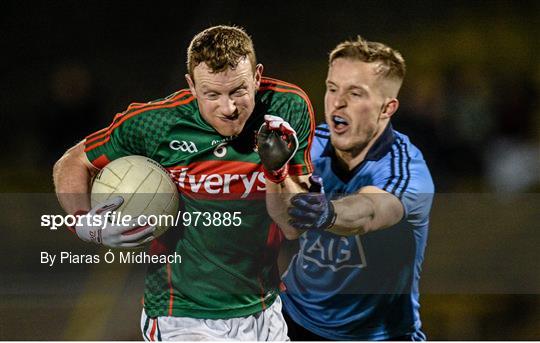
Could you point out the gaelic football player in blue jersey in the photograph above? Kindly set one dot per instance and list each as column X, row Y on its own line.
column 362, row 237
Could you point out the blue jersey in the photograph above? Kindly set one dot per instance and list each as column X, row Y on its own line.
column 364, row 287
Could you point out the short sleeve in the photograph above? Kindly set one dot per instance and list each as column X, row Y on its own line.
column 123, row 137
column 405, row 174
column 303, row 121
column 290, row 102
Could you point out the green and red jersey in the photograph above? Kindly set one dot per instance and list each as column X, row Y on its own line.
column 226, row 271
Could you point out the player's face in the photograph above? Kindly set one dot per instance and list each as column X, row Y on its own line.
column 226, row 99
column 354, row 104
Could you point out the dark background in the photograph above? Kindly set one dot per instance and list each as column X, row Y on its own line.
column 469, row 101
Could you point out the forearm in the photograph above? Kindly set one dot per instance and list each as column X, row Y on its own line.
column 278, row 202
column 72, row 175
column 367, row 211
column 353, row 213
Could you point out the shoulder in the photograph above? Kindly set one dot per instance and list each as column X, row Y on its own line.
column 277, row 90
column 287, row 101
column 405, row 143
column 404, row 168
column 159, row 110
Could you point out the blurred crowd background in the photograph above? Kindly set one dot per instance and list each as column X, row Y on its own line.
column 470, row 101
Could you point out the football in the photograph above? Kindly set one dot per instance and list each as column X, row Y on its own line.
column 144, row 184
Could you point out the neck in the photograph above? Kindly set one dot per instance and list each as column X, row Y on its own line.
column 352, row 158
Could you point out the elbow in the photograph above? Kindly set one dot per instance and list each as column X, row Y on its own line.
column 58, row 167
column 70, row 160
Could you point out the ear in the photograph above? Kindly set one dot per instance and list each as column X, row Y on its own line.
column 390, row 108
column 258, row 75
column 191, row 85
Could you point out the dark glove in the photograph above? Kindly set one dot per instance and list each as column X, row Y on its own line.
column 312, row 210
column 276, row 144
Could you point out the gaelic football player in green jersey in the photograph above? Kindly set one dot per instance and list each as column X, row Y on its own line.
column 233, row 142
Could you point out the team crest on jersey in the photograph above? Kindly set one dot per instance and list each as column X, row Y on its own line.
column 184, row 146
column 334, row 252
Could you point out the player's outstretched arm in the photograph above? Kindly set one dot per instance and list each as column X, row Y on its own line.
column 72, row 175
column 370, row 209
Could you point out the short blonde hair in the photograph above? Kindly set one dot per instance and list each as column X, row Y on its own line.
column 220, row 47
column 392, row 63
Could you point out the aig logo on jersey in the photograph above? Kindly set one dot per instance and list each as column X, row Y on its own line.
column 184, row 146
column 332, row 252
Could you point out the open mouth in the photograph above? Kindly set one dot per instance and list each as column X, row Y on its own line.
column 339, row 122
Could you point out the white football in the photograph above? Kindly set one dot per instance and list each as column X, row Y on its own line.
column 144, row 184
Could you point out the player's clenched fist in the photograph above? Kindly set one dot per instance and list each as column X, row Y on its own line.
column 276, row 143
column 95, row 227
column 312, row 210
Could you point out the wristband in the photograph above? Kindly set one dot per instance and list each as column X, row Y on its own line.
column 330, row 223
column 276, row 176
